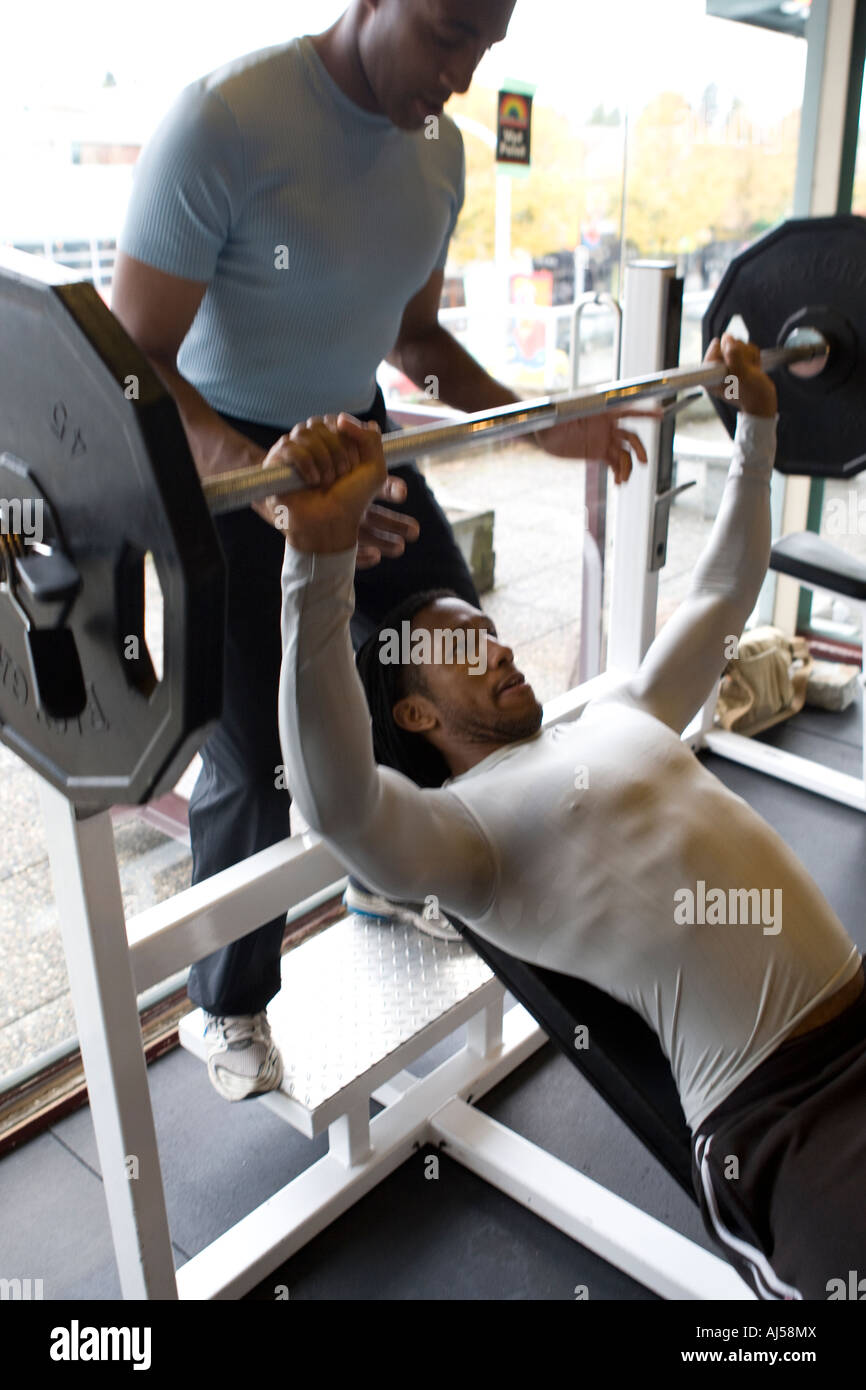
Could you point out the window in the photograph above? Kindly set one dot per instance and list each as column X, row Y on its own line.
column 651, row 137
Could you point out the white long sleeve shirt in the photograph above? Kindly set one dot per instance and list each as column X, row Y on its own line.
column 601, row 848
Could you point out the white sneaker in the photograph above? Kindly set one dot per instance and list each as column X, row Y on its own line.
column 242, row 1060
column 366, row 904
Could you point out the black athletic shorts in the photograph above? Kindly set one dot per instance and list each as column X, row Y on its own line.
column 780, row 1166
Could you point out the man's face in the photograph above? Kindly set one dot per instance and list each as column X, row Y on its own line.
column 415, row 53
column 482, row 700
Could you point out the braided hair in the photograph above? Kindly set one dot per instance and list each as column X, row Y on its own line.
column 386, row 683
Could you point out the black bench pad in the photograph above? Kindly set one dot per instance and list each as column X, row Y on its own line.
column 623, row 1062
column 806, row 556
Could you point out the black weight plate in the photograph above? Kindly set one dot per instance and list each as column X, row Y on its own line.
column 120, row 481
column 808, row 272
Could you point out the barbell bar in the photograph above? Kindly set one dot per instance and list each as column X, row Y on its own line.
column 226, row 492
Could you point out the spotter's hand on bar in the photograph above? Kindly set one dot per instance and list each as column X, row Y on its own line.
column 599, row 437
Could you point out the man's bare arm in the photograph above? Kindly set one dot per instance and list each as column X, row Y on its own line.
column 424, row 348
column 157, row 311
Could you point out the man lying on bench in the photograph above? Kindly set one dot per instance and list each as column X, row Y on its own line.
column 602, row 848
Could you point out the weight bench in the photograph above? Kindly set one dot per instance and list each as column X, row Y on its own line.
column 816, row 564
column 402, row 992
column 360, row 1001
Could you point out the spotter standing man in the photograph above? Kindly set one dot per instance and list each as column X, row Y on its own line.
column 288, row 229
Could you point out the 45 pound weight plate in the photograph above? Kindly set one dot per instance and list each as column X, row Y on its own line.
column 810, row 272
column 93, row 447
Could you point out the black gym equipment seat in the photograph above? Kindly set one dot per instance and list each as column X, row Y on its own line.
column 807, row 557
column 624, row 1061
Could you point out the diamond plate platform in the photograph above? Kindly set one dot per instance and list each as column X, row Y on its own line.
column 359, row 1001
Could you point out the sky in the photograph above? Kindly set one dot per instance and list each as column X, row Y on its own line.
column 578, row 52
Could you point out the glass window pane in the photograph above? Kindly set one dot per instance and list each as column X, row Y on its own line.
column 652, row 137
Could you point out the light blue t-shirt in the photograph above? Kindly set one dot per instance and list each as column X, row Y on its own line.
column 312, row 221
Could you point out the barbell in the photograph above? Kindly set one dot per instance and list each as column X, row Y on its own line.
column 96, row 473
column 226, row 492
